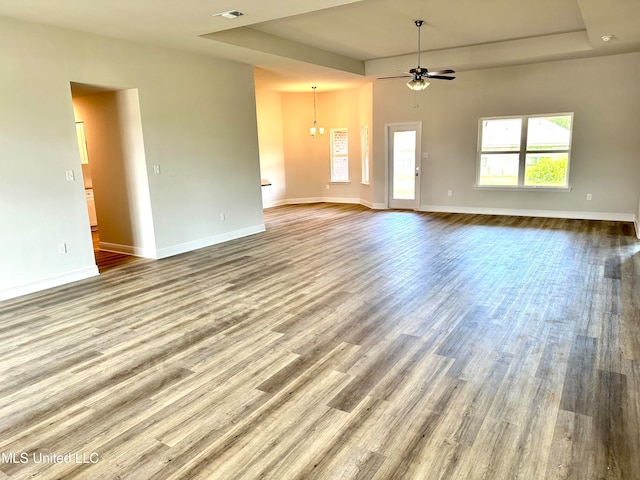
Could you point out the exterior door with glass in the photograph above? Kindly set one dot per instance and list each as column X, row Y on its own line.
column 404, row 141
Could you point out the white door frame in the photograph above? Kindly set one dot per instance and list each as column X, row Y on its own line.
column 417, row 126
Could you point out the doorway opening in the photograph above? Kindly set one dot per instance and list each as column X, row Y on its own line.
column 109, row 130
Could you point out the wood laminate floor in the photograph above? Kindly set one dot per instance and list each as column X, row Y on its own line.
column 106, row 260
column 342, row 343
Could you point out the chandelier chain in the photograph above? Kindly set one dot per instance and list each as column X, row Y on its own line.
column 314, row 106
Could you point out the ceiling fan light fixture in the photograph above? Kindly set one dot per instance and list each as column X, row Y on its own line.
column 417, row 84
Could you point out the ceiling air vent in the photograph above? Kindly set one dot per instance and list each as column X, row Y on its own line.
column 228, row 14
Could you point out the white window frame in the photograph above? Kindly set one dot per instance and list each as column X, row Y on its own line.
column 333, row 179
column 522, row 153
column 364, row 139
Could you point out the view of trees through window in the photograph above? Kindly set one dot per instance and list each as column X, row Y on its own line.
column 530, row 151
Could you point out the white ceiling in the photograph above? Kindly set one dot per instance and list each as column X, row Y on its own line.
column 338, row 43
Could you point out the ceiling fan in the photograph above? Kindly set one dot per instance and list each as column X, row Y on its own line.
column 420, row 74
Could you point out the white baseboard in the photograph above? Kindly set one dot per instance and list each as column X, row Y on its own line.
column 379, row 206
column 636, row 221
column 127, row 250
column 351, row 201
column 273, row 203
column 611, row 216
column 296, row 201
column 372, row 205
column 517, row 212
column 47, row 283
column 207, row 242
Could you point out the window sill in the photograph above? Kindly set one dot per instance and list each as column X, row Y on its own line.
column 365, row 183
column 524, row 189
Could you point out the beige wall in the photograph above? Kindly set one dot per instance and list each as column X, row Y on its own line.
column 306, row 158
column 198, row 119
column 605, row 158
column 271, row 141
column 365, row 103
column 305, row 165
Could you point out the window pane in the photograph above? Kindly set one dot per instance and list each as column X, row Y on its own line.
column 340, row 142
column 340, row 169
column 549, row 133
column 501, row 134
column 546, row 169
column 499, row 169
column 339, row 155
column 365, row 153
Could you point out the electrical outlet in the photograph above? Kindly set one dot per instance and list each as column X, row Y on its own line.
column 450, row 193
column 328, row 186
column 62, row 248
column 156, row 169
column 70, row 175
column 589, row 196
column 223, row 216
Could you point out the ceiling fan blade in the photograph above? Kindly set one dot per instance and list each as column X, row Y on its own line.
column 440, row 77
column 399, row 76
column 441, row 72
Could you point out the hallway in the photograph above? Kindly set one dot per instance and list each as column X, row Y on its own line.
column 106, row 260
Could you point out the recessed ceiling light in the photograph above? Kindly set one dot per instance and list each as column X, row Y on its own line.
column 606, row 38
column 228, row 14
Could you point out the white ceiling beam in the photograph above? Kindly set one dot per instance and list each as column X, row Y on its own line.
column 526, row 50
column 252, row 39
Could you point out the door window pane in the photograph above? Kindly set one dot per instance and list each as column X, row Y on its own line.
column 404, row 165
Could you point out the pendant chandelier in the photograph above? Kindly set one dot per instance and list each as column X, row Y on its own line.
column 315, row 130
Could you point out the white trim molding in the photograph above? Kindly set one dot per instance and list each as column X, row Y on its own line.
column 207, row 242
column 371, row 205
column 127, row 250
column 50, row 282
column 517, row 212
column 636, row 221
column 296, row 201
column 273, row 203
column 351, row 201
